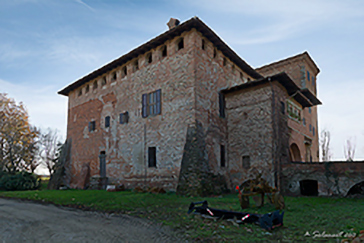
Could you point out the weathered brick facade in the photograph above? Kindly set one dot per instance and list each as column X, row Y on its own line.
column 303, row 132
column 191, row 68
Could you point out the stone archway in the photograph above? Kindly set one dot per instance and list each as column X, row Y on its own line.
column 294, row 152
column 358, row 188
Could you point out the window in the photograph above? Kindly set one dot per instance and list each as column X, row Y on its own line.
column 293, row 111
column 310, row 128
column 113, row 75
column 180, row 44
column 313, row 131
column 304, row 121
column 152, row 157
column 164, row 51
column 203, row 44
column 151, row 103
column 124, row 71
column 249, row 80
column 313, row 80
column 103, row 81
column 80, row 92
column 95, row 85
column 309, row 109
column 224, row 61
column 282, row 107
column 136, row 65
column 308, row 75
column 233, row 68
column 149, row 58
column 246, row 162
column 222, row 105
column 107, row 121
column 241, row 76
column 87, row 88
column 91, row 126
column 124, row 118
column 222, row 155
column 215, row 53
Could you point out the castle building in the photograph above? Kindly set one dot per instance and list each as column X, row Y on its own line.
column 185, row 103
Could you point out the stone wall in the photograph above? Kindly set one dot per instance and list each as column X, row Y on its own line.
column 334, row 178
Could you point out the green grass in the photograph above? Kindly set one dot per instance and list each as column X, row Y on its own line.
column 302, row 214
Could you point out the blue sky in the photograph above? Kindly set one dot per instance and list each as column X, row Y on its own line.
column 48, row 44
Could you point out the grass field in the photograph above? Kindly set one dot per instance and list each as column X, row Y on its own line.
column 302, row 214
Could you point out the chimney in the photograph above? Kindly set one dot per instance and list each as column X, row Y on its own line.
column 173, row 23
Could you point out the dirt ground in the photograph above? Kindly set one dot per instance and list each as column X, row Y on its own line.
column 30, row 222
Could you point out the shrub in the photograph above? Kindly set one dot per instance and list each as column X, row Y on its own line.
column 19, row 181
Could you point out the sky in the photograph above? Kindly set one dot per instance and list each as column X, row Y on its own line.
column 47, row 44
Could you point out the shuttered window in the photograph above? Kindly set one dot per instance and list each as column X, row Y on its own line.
column 152, row 103
column 124, row 118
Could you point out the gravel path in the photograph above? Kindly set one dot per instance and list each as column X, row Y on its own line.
column 30, row 222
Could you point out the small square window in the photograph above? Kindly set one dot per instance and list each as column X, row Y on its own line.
column 91, row 126
column 164, row 51
column 246, row 162
column 103, row 81
column 152, row 157
column 113, row 75
column 180, row 44
column 149, row 58
column 107, row 121
column 136, row 65
column 124, row 118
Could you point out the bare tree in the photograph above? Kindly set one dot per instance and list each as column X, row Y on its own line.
column 49, row 141
column 349, row 149
column 325, row 145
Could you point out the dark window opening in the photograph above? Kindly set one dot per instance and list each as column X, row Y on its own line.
column 149, row 58
column 222, row 156
column 124, row 118
column 309, row 109
column 152, row 157
column 80, row 92
column 87, row 88
column 246, row 162
column 124, row 71
column 310, row 128
column 304, row 121
column 357, row 189
column 95, row 85
column 308, row 75
column 203, row 44
column 248, row 79
column 222, row 105
column 91, row 126
column 151, row 103
column 164, row 51
column 103, row 82
column 215, row 53
column 113, row 76
column 180, row 44
column 241, row 75
column 136, row 65
column 309, row 188
column 283, row 108
column 233, row 68
column 224, row 61
column 107, row 121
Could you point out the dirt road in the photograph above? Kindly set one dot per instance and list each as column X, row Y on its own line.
column 30, row 222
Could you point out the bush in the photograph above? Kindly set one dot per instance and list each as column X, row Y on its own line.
column 21, row 181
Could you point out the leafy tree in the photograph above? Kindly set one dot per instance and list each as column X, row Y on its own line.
column 17, row 137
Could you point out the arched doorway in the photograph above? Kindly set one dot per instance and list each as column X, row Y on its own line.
column 294, row 152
